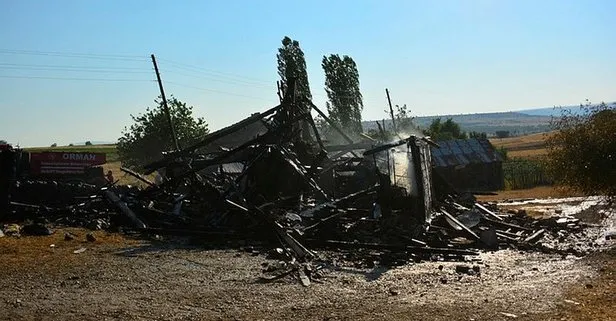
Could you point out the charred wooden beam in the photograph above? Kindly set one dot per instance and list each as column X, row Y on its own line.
column 113, row 198
column 137, row 176
column 488, row 212
column 274, row 134
column 150, row 168
column 460, row 224
column 331, row 123
column 508, row 225
column 536, row 236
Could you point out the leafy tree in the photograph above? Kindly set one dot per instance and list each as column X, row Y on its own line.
column 54, row 145
column 71, row 145
column 502, row 133
column 88, row 143
column 342, row 86
column 479, row 135
column 582, row 151
column 291, row 64
column 404, row 120
column 150, row 134
column 3, row 142
column 447, row 130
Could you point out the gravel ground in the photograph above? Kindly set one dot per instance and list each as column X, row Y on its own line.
column 121, row 278
column 165, row 282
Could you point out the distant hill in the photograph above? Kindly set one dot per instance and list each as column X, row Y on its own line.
column 96, row 142
column 523, row 122
column 517, row 123
column 555, row 111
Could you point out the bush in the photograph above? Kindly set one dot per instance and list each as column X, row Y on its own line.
column 582, row 152
column 150, row 135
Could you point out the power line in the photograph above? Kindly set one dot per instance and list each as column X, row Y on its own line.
column 217, row 91
column 71, row 66
column 217, row 73
column 73, row 55
column 217, row 79
column 67, row 78
column 77, row 70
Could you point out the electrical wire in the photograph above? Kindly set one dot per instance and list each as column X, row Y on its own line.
column 78, row 70
column 70, row 66
column 70, row 78
column 212, row 78
column 218, row 91
column 193, row 68
column 74, row 55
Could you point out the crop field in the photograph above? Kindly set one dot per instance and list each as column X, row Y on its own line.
column 528, row 146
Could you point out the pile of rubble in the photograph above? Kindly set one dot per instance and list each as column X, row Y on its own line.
column 272, row 178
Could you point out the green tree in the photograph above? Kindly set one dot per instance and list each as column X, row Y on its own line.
column 345, row 102
column 150, row 134
column 3, row 142
column 447, row 130
column 291, row 64
column 54, row 145
column 582, row 151
column 502, row 133
column 88, row 143
column 480, row 135
column 404, row 120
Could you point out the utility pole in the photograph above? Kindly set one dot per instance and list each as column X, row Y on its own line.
column 167, row 112
column 391, row 110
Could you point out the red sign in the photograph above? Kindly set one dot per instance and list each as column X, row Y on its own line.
column 64, row 162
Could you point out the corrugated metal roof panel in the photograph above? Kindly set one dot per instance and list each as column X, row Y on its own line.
column 463, row 152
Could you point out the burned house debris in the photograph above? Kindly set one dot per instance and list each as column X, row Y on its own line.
column 270, row 178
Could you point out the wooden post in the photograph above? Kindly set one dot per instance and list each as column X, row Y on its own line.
column 391, row 111
column 167, row 112
column 331, row 123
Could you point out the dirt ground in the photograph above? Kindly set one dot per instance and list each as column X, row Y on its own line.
column 119, row 277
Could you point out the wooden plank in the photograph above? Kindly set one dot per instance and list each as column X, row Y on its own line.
column 113, row 198
column 508, row 225
column 464, row 227
column 535, row 236
column 487, row 211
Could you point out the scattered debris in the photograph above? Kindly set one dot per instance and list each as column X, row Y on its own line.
column 509, row 315
column 271, row 178
column 465, row 269
column 90, row 237
column 36, row 230
column 80, row 250
column 394, row 291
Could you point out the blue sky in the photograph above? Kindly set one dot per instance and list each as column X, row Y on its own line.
column 438, row 57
